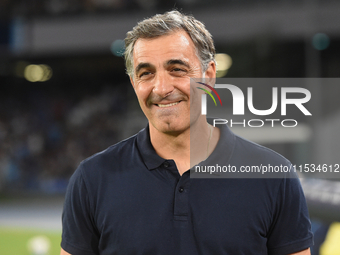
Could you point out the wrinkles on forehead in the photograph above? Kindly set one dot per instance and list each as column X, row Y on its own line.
column 148, row 51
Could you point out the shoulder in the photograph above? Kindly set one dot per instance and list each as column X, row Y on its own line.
column 258, row 161
column 106, row 157
column 279, row 173
column 254, row 152
column 99, row 167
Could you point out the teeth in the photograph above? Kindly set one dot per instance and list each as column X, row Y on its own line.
column 167, row 105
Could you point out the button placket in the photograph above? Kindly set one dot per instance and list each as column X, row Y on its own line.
column 181, row 203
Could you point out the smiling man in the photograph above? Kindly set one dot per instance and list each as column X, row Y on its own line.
column 161, row 80
column 137, row 196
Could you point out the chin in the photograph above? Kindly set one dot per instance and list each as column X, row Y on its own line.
column 171, row 127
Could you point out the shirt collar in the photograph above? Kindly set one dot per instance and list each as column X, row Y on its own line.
column 224, row 147
column 223, row 150
column 149, row 155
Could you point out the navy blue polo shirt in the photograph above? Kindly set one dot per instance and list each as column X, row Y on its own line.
column 127, row 200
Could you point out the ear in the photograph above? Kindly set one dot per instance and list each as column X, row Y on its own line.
column 210, row 73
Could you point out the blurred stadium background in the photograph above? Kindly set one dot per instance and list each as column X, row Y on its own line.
column 64, row 95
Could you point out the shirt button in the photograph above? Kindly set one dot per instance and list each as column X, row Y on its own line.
column 166, row 164
column 181, row 189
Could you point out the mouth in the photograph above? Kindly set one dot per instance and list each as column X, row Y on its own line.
column 167, row 105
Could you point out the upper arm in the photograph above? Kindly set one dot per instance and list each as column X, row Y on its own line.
column 290, row 228
column 79, row 233
column 63, row 252
column 304, row 252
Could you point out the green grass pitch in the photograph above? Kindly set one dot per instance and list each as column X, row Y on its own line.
column 15, row 241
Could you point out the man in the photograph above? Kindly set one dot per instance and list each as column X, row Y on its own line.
column 137, row 196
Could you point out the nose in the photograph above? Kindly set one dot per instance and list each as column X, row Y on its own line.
column 163, row 84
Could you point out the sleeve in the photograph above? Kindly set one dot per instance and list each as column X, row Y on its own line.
column 291, row 228
column 79, row 234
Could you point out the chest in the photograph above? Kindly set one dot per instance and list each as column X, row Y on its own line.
column 187, row 217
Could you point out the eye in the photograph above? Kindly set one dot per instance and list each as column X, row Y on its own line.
column 178, row 70
column 144, row 74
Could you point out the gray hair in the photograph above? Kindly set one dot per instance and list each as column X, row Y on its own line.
column 163, row 24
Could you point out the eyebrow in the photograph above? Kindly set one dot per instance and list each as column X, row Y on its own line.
column 142, row 65
column 178, row 61
column 169, row 62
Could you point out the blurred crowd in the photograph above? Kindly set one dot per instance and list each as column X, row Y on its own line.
column 28, row 8
column 44, row 137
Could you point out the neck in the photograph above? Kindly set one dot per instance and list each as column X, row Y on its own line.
column 186, row 148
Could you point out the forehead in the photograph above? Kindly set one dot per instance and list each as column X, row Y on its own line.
column 176, row 45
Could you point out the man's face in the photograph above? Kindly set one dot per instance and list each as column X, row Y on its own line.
column 163, row 67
